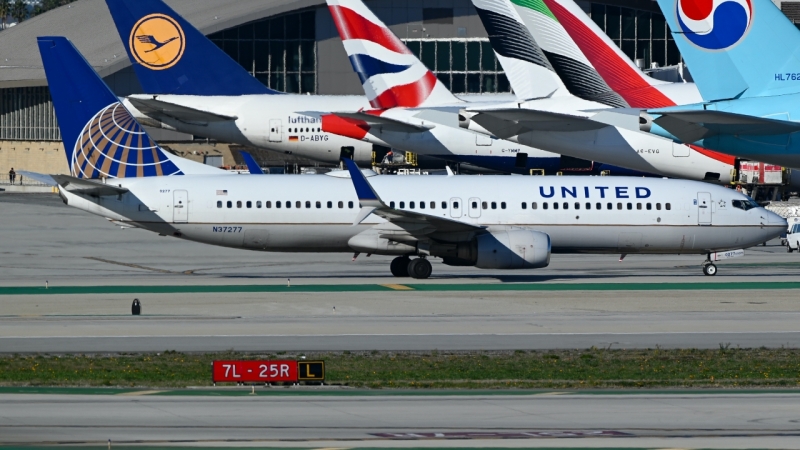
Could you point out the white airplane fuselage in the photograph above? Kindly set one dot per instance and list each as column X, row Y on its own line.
column 314, row 213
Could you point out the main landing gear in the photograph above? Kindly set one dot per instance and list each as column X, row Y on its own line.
column 709, row 269
column 403, row 266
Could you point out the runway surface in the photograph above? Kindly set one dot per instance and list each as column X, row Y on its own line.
column 693, row 419
column 94, row 270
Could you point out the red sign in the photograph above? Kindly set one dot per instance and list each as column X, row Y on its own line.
column 254, row 371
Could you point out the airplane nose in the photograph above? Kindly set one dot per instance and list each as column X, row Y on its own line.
column 774, row 219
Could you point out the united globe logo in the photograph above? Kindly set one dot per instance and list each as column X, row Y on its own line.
column 714, row 24
column 157, row 42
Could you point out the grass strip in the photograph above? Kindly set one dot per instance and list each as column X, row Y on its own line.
column 559, row 369
column 272, row 288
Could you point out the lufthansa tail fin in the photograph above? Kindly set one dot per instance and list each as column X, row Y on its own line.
column 736, row 48
column 170, row 56
column 101, row 138
column 390, row 74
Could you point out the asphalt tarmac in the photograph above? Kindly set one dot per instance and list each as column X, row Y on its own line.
column 332, row 303
column 692, row 419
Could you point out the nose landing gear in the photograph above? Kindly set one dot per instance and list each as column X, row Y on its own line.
column 709, row 269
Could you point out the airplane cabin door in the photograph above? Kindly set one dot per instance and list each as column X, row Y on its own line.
column 275, row 132
column 180, row 206
column 455, row 207
column 474, row 207
column 703, row 208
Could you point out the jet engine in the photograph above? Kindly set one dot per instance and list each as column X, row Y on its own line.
column 510, row 249
column 645, row 122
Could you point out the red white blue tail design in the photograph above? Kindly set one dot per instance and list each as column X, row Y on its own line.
column 390, row 74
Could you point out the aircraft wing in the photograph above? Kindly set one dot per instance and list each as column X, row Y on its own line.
column 692, row 126
column 413, row 222
column 157, row 109
column 91, row 188
column 386, row 123
column 508, row 122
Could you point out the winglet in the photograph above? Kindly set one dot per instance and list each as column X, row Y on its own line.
column 252, row 165
column 367, row 197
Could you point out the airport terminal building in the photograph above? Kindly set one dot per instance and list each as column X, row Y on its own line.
column 288, row 45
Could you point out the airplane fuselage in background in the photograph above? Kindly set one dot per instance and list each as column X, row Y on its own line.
column 314, row 213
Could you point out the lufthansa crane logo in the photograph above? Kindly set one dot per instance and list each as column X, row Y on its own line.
column 157, row 42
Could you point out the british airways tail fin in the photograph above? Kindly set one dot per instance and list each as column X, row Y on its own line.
column 170, row 56
column 390, row 74
column 101, row 138
column 736, row 48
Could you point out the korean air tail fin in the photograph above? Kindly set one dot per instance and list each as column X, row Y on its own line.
column 101, row 138
column 390, row 74
column 736, row 48
column 170, row 56
column 614, row 66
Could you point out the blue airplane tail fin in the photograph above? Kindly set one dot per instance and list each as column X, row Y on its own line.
column 252, row 165
column 170, row 56
column 101, row 138
column 736, row 48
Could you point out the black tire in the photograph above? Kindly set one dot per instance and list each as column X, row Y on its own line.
column 399, row 266
column 710, row 270
column 420, row 268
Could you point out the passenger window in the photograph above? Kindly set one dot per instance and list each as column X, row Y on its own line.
column 402, row 205
column 444, row 205
column 411, row 205
column 249, row 204
column 619, row 205
column 588, row 205
column 277, row 204
column 391, row 204
column 341, row 205
column 544, row 205
column 555, row 205
column 630, row 206
column 577, row 205
column 566, row 205
column 638, row 206
column 230, row 204
column 219, row 203
column 484, row 205
column 308, row 204
column 455, row 205
column 239, row 204
column 658, row 206
column 502, row 205
column 524, row 205
column 300, row 204
column 258, row 204
column 494, row 205
column 288, row 205
column 330, row 204
column 268, row 204
column 433, row 205
column 598, row 206
column 474, row 205
column 609, row 206
column 649, row 206
column 534, row 205
column 319, row 205
column 421, row 205
column 350, row 205
column 668, row 206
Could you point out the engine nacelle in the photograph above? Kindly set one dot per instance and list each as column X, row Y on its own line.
column 370, row 241
column 513, row 249
column 645, row 122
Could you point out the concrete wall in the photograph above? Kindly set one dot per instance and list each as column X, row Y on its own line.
column 41, row 157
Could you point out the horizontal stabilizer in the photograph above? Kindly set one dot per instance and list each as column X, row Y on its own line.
column 159, row 109
column 504, row 122
column 88, row 187
column 385, row 123
column 40, row 177
column 692, row 126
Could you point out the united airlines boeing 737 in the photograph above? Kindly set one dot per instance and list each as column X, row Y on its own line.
column 497, row 222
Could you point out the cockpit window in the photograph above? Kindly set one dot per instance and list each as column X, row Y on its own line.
column 744, row 204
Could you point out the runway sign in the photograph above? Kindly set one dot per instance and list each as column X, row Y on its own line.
column 254, row 371
column 311, row 370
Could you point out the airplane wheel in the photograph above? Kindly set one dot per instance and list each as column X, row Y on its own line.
column 789, row 248
column 399, row 266
column 420, row 268
column 710, row 269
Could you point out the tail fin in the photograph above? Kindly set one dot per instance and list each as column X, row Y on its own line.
column 252, row 165
column 170, row 56
column 390, row 74
column 101, row 138
column 606, row 57
column 736, row 48
column 575, row 71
